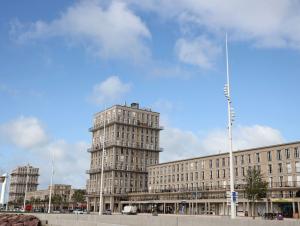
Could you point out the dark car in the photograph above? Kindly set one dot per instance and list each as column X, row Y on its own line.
column 107, row 212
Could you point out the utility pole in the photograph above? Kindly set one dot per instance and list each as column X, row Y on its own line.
column 230, row 122
column 51, row 184
column 26, row 187
column 102, row 167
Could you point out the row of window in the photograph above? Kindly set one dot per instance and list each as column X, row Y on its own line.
column 224, row 162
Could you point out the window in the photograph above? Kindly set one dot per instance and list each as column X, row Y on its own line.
column 281, row 180
column 278, row 154
column 242, row 159
column 287, row 153
column 290, row 180
column 243, row 171
column 217, row 163
column 297, row 164
column 249, row 158
column 236, row 172
column 235, row 160
column 298, row 180
column 270, row 169
column 257, row 157
column 210, row 163
column 296, row 152
column 223, row 161
column 224, row 173
column 211, row 174
column 289, row 167
column 269, row 155
column 270, row 182
column 280, row 167
column 218, row 174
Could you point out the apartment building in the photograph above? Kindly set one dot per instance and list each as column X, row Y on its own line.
column 131, row 144
column 19, row 177
column 199, row 185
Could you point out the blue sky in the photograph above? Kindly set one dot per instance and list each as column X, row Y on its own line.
column 62, row 61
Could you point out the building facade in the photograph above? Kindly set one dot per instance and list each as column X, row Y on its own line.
column 199, row 185
column 131, row 145
column 19, row 177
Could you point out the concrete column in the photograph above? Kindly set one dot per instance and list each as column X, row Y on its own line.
column 111, row 204
column 208, row 207
column 267, row 206
column 88, row 204
column 271, row 205
column 193, row 209
column 294, row 208
column 164, row 208
column 205, row 208
column 224, row 213
column 95, row 205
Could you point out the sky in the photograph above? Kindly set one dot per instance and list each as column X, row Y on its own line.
column 62, row 61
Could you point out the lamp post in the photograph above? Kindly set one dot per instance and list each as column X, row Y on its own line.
column 102, row 167
column 26, row 187
column 51, row 184
column 230, row 122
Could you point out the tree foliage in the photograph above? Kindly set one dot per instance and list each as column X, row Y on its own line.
column 256, row 187
column 78, row 196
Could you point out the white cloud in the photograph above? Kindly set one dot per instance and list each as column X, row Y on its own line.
column 179, row 144
column 109, row 91
column 27, row 133
column 110, row 32
column 199, row 51
column 269, row 23
column 35, row 147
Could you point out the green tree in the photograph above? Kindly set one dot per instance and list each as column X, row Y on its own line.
column 78, row 196
column 256, row 187
column 56, row 200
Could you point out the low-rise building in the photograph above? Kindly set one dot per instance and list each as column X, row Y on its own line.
column 199, row 185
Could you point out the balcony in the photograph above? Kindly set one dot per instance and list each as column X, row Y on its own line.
column 133, row 145
column 125, row 121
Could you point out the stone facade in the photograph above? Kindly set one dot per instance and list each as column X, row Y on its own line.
column 19, row 176
column 199, row 185
column 131, row 144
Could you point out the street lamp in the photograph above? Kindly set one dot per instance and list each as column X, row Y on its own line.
column 102, row 167
column 230, row 122
column 51, row 184
column 26, row 187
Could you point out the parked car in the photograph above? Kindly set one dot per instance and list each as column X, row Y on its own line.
column 107, row 212
column 129, row 210
column 78, row 211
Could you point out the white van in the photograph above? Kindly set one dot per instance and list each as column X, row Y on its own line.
column 129, row 210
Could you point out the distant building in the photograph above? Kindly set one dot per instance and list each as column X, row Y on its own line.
column 18, row 179
column 131, row 144
column 40, row 198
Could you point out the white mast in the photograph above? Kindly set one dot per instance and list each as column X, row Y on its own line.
column 102, row 167
column 51, row 184
column 26, row 187
column 230, row 121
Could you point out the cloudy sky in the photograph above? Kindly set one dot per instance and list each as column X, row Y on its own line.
column 62, row 61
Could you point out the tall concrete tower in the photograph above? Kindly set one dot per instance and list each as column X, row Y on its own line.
column 131, row 144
